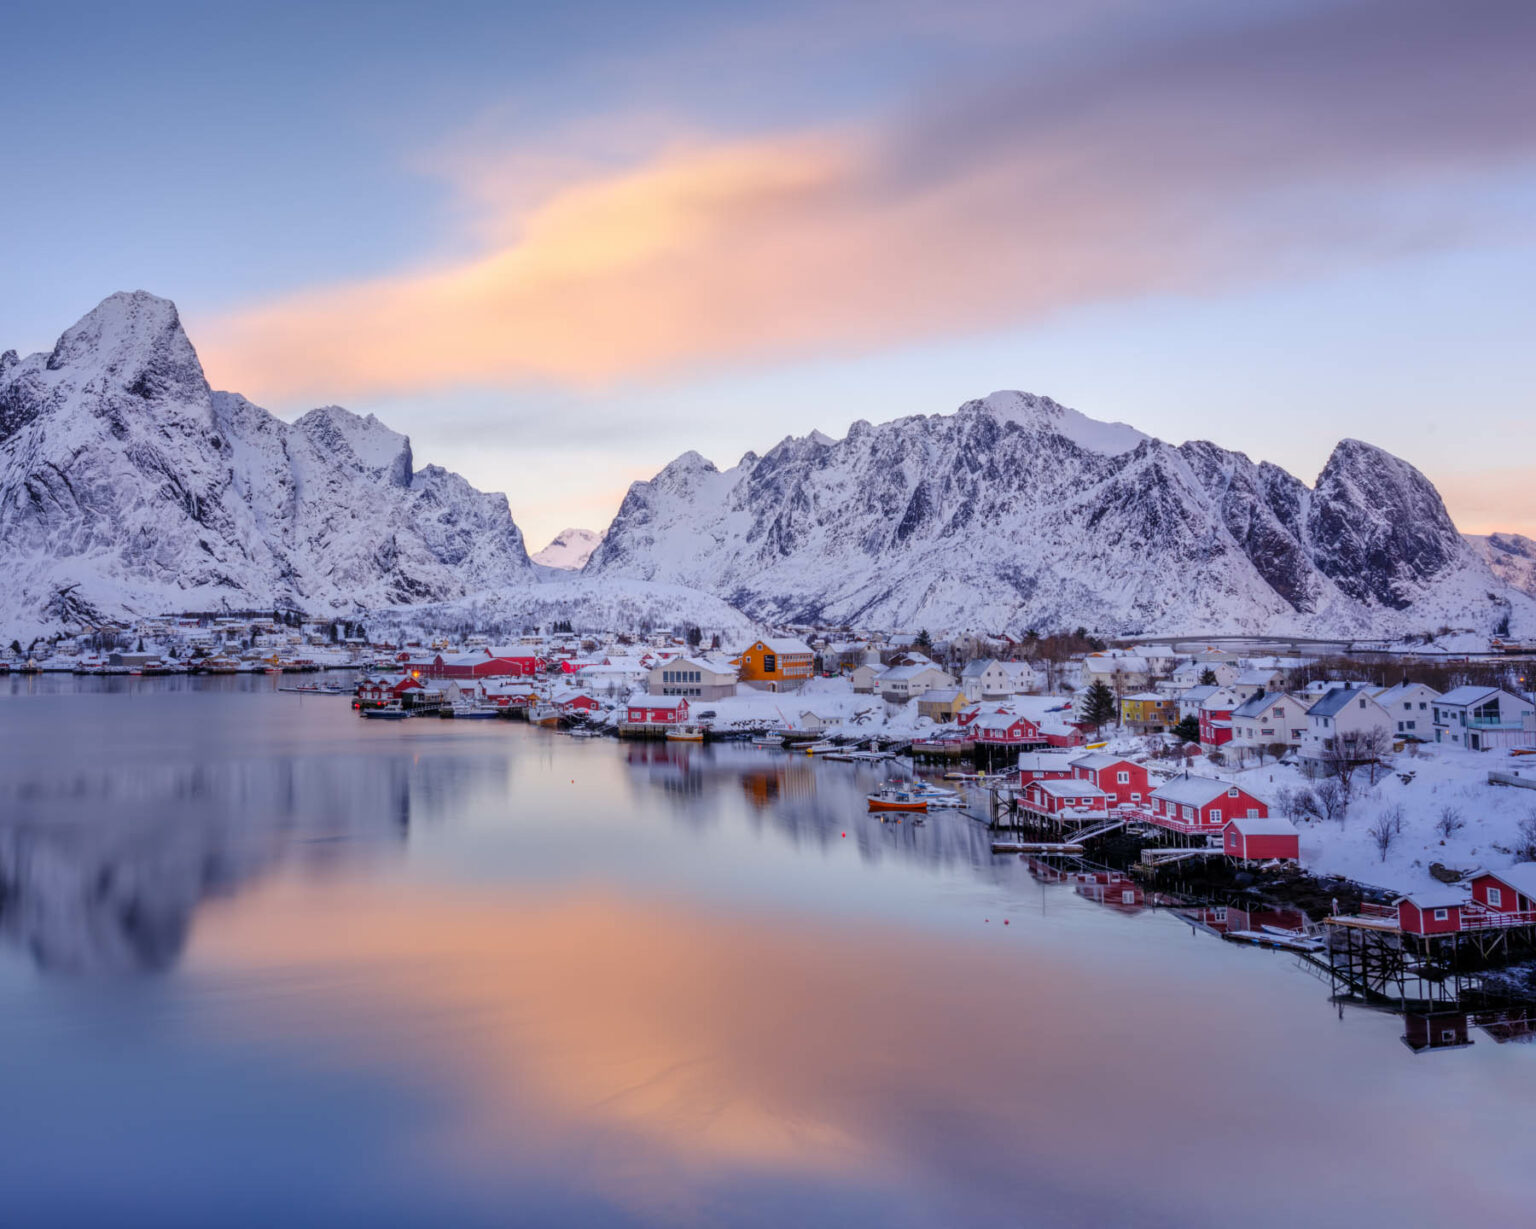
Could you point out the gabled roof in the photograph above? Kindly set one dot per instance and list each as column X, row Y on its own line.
column 1257, row 705
column 1467, row 695
column 1439, row 897
column 1069, row 789
column 1336, row 701
column 1046, row 761
column 1098, row 759
column 1270, row 825
column 788, row 648
column 1521, row 876
column 1192, row 791
column 941, row 695
column 646, row 700
column 975, row 669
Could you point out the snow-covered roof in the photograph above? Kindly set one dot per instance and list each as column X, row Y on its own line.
column 1255, row 706
column 1439, row 897
column 1269, row 825
column 1069, row 789
column 899, row 673
column 646, row 700
column 1336, row 701
column 1521, row 876
column 1046, row 761
column 975, row 669
column 788, row 648
column 940, row 695
column 1097, row 759
column 1192, row 791
column 1467, row 695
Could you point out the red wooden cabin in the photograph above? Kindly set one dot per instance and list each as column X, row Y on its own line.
column 1125, row 782
column 1262, row 839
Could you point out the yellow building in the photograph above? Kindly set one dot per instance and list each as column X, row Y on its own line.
column 776, row 665
column 1149, row 713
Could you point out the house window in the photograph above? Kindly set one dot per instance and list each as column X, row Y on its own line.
column 1442, row 914
column 770, row 663
column 1232, row 793
column 1124, row 778
column 1215, row 817
column 1253, row 812
column 1495, row 897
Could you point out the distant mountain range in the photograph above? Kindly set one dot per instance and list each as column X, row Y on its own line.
column 129, row 487
column 1017, row 512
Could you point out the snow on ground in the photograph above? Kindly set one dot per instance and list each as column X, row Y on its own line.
column 1424, row 785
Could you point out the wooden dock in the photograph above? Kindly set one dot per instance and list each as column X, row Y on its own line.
column 1066, row 847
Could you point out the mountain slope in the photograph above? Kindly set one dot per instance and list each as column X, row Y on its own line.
column 570, row 549
column 128, row 486
column 1016, row 511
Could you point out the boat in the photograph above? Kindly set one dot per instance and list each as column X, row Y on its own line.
column 469, row 712
column 385, row 712
column 582, row 731
column 768, row 740
column 820, row 748
column 896, row 800
column 686, row 734
column 546, row 715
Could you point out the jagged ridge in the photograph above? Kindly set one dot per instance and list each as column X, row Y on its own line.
column 1016, row 511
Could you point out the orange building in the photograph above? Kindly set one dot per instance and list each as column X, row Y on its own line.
column 777, row 665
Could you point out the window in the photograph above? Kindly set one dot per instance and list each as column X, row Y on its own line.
column 1495, row 897
column 1253, row 812
column 1232, row 793
column 1442, row 914
column 1124, row 778
column 1215, row 817
column 770, row 663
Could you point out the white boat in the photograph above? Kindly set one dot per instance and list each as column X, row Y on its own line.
column 387, row 712
column 820, row 748
column 686, row 734
column 470, row 712
column 768, row 740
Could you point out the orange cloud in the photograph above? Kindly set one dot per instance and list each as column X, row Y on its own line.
column 734, row 251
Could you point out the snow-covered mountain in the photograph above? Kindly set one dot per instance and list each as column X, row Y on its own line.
column 1016, row 512
column 1512, row 557
column 570, row 550
column 128, row 485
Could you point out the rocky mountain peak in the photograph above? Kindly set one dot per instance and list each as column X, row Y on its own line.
column 133, row 340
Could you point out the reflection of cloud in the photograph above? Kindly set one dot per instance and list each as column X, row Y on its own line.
column 1184, row 164
column 659, row 1055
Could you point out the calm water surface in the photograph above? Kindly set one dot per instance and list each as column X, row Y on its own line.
column 264, row 963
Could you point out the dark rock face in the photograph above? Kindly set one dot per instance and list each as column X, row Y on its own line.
column 1378, row 528
column 1015, row 511
column 128, row 486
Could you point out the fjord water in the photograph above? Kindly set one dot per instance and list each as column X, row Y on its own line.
column 264, row 963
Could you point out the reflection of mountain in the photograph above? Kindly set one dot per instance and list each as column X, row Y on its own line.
column 812, row 802
column 102, row 869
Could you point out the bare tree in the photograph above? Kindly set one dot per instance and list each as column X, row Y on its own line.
column 1525, row 838
column 1385, row 831
column 1332, row 799
column 1450, row 822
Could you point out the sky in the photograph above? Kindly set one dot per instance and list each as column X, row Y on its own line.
column 558, row 245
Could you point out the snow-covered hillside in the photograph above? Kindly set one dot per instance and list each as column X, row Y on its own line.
column 570, row 550
column 1016, row 512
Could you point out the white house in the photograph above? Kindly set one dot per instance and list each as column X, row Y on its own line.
column 986, row 679
column 1480, row 718
column 901, row 683
column 1269, row 719
column 1412, row 706
column 1347, row 721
